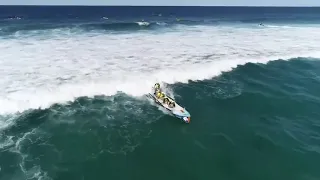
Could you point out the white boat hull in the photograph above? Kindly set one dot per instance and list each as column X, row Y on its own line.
column 177, row 111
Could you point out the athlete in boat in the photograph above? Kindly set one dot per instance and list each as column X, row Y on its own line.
column 160, row 95
column 157, row 91
column 172, row 104
column 169, row 103
column 157, row 86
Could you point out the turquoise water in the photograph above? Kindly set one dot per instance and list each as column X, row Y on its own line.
column 255, row 122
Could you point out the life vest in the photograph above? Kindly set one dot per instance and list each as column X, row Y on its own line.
column 157, row 86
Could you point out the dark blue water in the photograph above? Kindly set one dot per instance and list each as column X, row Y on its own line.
column 16, row 18
column 87, row 12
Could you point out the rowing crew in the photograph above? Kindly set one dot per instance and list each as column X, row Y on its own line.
column 160, row 95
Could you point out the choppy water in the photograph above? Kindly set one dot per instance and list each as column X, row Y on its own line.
column 72, row 102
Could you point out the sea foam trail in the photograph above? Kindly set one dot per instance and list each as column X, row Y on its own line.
column 39, row 72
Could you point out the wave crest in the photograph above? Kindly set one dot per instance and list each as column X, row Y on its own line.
column 108, row 26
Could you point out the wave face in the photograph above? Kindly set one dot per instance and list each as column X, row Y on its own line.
column 72, row 102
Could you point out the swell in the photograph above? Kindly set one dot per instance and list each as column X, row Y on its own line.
column 112, row 26
column 256, row 110
column 122, row 25
column 112, row 125
column 285, row 97
column 285, row 85
column 15, row 24
column 19, row 25
column 277, row 103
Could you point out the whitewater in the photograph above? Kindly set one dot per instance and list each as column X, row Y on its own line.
column 74, row 80
column 42, row 67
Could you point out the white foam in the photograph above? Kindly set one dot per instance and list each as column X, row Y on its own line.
column 143, row 23
column 14, row 18
column 15, row 144
column 38, row 72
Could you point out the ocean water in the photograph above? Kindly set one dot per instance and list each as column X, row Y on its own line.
column 74, row 80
